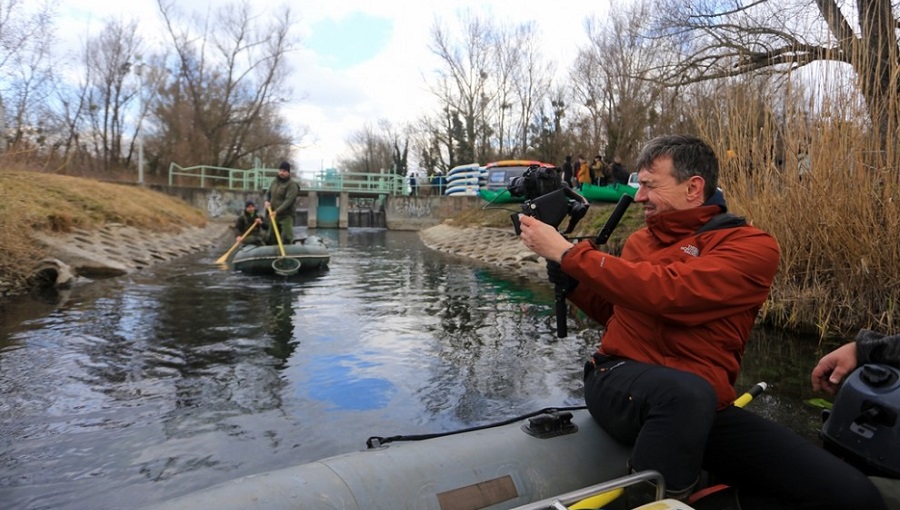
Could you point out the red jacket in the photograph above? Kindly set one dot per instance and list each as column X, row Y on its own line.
column 676, row 298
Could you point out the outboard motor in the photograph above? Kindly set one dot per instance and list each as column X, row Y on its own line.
column 862, row 426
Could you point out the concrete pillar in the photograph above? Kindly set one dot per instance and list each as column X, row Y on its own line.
column 344, row 210
column 312, row 218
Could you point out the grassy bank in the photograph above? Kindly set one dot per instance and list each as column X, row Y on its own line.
column 34, row 201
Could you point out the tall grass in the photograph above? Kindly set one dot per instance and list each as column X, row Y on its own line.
column 838, row 224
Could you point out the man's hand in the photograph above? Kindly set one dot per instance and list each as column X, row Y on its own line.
column 833, row 368
column 258, row 221
column 542, row 239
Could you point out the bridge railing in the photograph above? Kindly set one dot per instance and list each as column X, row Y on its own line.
column 258, row 179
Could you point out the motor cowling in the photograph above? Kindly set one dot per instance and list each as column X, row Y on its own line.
column 862, row 426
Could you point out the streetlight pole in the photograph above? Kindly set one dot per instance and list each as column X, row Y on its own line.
column 138, row 69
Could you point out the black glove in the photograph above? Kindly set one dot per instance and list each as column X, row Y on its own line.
column 560, row 279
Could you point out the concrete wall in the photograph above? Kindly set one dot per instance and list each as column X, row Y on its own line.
column 220, row 203
column 417, row 213
column 401, row 213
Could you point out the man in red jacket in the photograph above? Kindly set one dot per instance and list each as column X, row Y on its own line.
column 678, row 306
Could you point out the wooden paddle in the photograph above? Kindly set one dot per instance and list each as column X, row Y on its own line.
column 224, row 258
column 283, row 265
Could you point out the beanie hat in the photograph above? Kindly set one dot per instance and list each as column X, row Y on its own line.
column 248, row 203
column 285, row 166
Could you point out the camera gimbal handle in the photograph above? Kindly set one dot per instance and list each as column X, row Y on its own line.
column 559, row 290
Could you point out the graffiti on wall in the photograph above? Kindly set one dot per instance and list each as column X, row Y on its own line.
column 412, row 208
column 215, row 204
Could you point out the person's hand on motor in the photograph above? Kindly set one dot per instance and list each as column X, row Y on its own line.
column 833, row 368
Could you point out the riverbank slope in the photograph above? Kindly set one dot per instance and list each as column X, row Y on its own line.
column 56, row 228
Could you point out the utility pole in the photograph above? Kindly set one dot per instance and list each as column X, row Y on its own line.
column 138, row 70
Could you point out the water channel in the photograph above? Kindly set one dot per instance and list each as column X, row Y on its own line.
column 122, row 392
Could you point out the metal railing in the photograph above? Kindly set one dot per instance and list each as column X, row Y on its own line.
column 258, row 179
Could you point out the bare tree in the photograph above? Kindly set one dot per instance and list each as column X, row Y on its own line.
column 25, row 69
column 463, row 83
column 221, row 107
column 489, row 86
column 371, row 149
column 112, row 88
column 612, row 79
column 726, row 39
column 530, row 82
column 551, row 140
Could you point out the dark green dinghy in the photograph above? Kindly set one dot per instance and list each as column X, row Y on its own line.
column 311, row 253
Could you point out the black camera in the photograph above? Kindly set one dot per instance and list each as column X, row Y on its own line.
column 547, row 198
column 535, row 181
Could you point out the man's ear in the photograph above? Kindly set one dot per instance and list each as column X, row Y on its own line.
column 695, row 187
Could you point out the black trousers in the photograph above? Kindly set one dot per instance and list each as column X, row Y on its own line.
column 670, row 418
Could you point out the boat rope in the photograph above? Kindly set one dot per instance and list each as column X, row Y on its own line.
column 376, row 441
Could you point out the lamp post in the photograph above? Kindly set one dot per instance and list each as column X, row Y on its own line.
column 138, row 70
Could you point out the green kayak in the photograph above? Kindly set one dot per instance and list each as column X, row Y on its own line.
column 608, row 193
column 498, row 196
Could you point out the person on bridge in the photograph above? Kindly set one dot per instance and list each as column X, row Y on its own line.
column 281, row 198
column 678, row 306
column 247, row 218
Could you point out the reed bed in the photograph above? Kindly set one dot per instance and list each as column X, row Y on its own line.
column 828, row 189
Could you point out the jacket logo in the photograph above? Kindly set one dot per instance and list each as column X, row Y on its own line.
column 691, row 250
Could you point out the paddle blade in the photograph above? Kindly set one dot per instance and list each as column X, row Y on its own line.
column 224, row 258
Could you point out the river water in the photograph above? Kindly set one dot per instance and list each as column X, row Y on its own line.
column 122, row 392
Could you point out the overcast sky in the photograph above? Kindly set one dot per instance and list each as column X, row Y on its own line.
column 345, row 47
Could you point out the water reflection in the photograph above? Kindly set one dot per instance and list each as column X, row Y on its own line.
column 126, row 391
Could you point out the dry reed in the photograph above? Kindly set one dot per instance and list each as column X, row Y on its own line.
column 819, row 180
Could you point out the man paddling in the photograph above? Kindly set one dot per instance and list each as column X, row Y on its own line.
column 281, row 198
column 678, row 306
column 243, row 223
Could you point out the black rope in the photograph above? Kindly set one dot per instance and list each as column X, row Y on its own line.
column 376, row 441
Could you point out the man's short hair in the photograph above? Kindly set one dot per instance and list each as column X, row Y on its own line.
column 690, row 156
